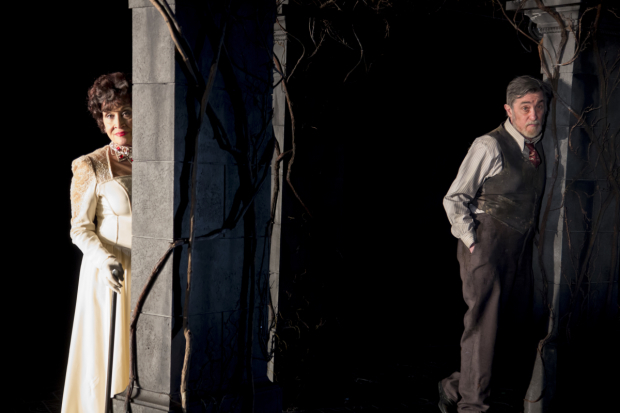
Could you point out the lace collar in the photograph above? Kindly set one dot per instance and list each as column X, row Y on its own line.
column 122, row 153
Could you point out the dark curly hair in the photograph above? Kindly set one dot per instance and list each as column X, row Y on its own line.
column 107, row 92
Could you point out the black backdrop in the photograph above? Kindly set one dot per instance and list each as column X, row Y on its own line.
column 60, row 49
column 379, row 155
column 376, row 155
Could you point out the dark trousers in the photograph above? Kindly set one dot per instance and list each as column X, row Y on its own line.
column 498, row 289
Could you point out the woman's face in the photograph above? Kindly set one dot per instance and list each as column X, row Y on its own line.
column 117, row 123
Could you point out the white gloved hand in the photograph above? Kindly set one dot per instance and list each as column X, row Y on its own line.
column 112, row 271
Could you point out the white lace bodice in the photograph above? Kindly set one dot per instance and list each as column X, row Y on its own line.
column 98, row 197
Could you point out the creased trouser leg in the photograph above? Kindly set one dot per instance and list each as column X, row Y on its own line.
column 491, row 276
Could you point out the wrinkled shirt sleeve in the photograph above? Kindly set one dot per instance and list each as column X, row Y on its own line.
column 483, row 160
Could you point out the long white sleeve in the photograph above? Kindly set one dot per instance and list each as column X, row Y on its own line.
column 483, row 161
column 83, row 207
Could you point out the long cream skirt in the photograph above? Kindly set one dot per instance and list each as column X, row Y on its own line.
column 85, row 381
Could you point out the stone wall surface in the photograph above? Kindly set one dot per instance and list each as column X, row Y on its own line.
column 578, row 215
column 229, row 267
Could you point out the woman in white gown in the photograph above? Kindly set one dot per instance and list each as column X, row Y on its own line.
column 101, row 228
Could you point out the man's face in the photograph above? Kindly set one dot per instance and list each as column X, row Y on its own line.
column 526, row 114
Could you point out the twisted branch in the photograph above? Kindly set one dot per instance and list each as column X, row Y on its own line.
column 293, row 143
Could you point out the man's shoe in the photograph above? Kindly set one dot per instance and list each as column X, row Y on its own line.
column 446, row 404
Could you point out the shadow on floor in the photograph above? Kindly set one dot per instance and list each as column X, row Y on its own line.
column 411, row 387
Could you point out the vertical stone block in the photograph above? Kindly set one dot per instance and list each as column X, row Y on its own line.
column 602, row 192
column 153, row 49
column 153, row 197
column 232, row 187
column 164, row 109
column 207, row 368
column 118, row 406
column 552, row 255
column 553, row 147
column 153, row 361
column 210, row 191
column 263, row 203
column 146, row 253
column 566, row 257
column 584, row 94
column 565, row 91
column 578, row 200
column 136, row 4
column 210, row 150
column 160, row 114
column 555, row 216
column 217, row 275
column 598, row 267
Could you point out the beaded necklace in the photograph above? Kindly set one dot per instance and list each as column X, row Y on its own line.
column 122, row 153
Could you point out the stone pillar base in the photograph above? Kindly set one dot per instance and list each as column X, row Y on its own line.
column 267, row 399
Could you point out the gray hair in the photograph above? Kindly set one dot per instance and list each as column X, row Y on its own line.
column 522, row 85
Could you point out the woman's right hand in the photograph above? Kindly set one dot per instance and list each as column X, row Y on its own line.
column 113, row 278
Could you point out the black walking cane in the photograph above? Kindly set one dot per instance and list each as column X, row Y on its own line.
column 108, row 386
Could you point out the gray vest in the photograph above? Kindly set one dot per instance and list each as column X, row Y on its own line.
column 513, row 196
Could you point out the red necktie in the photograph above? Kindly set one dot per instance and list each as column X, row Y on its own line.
column 534, row 158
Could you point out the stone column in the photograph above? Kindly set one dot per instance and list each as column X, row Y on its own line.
column 232, row 268
column 279, row 121
column 577, row 193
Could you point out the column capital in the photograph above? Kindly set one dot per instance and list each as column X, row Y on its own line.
column 512, row 5
column 568, row 9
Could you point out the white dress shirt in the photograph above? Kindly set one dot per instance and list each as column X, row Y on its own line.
column 483, row 161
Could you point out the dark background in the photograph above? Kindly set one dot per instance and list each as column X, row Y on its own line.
column 376, row 267
column 60, row 50
column 377, row 263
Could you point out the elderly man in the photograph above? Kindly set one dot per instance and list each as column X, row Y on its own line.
column 493, row 206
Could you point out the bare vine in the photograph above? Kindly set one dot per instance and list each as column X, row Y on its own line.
column 606, row 144
column 293, row 143
column 245, row 195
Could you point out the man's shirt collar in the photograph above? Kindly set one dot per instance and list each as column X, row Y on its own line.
column 518, row 137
